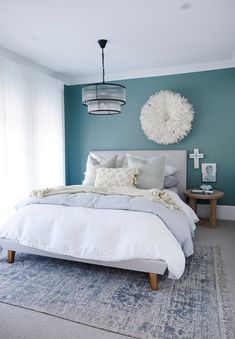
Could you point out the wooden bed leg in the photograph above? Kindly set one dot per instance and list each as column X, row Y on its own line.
column 11, row 256
column 153, row 281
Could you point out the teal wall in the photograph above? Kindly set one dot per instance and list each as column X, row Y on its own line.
column 212, row 94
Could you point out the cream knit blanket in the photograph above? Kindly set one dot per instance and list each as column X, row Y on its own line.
column 161, row 196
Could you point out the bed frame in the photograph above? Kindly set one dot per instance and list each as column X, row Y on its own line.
column 153, row 267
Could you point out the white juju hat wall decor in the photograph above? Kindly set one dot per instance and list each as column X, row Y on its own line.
column 166, row 117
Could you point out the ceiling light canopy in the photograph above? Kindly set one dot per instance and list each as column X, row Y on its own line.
column 104, row 98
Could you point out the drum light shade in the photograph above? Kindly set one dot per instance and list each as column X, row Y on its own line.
column 104, row 98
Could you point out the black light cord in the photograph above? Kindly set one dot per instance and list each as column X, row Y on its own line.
column 103, row 64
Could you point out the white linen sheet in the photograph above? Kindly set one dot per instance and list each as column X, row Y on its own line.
column 107, row 235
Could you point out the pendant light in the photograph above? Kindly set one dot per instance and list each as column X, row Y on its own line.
column 104, row 98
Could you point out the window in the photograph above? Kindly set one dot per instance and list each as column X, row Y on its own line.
column 31, row 133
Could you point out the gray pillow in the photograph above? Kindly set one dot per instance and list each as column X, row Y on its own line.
column 94, row 162
column 170, row 181
column 169, row 170
column 120, row 161
column 151, row 171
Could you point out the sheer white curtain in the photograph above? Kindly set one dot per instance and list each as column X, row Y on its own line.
column 31, row 133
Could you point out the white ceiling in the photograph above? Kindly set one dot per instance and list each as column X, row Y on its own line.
column 146, row 37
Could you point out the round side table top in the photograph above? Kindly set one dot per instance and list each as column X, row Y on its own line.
column 203, row 196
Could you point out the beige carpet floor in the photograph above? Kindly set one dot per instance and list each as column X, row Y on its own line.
column 18, row 323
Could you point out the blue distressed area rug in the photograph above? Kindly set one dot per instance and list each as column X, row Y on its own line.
column 196, row 306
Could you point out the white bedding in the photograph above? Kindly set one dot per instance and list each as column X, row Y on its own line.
column 97, row 234
column 106, row 231
column 173, row 189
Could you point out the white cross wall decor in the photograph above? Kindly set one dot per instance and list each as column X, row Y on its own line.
column 196, row 156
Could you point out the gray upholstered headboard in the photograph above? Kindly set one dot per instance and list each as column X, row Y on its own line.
column 177, row 159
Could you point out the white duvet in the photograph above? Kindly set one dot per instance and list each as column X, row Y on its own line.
column 97, row 234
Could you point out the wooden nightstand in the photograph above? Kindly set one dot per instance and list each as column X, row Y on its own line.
column 193, row 197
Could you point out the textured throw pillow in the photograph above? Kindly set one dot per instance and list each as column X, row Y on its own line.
column 94, row 162
column 151, row 171
column 170, row 181
column 116, row 177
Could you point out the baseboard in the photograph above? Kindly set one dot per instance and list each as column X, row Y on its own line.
column 223, row 212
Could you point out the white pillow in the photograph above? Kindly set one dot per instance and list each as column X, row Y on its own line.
column 116, row 177
column 151, row 171
column 94, row 162
column 170, row 170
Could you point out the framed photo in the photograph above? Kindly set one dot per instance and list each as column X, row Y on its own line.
column 209, row 172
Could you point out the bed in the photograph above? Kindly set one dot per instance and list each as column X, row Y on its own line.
column 145, row 244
